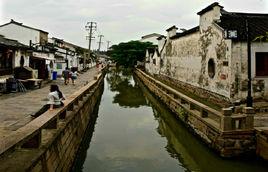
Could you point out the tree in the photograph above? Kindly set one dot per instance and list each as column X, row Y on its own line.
column 127, row 54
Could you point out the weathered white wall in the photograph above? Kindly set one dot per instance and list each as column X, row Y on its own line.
column 22, row 34
column 240, row 68
column 186, row 59
column 182, row 60
column 18, row 55
column 207, row 18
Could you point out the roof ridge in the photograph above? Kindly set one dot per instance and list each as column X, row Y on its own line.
column 21, row 24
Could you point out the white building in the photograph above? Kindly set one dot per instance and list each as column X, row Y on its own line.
column 42, row 55
column 65, row 55
column 150, row 38
column 211, row 59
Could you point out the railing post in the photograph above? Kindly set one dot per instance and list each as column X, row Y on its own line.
column 249, row 122
column 226, row 119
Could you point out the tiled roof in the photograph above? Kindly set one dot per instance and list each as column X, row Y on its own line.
column 160, row 37
column 11, row 43
column 21, row 24
column 178, row 35
column 258, row 24
column 173, row 27
column 150, row 35
column 208, row 8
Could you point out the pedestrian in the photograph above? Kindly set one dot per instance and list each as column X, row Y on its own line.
column 73, row 75
column 65, row 75
column 55, row 98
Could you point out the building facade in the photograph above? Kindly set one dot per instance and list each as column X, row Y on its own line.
column 212, row 57
column 41, row 56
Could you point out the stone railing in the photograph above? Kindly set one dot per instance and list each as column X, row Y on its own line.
column 221, row 121
column 72, row 117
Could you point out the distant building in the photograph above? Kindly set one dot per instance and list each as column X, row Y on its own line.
column 211, row 58
column 151, row 38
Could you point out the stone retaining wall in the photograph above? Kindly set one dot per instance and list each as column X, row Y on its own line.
column 217, row 129
column 202, row 93
column 53, row 147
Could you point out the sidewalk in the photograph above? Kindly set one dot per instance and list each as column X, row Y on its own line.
column 16, row 109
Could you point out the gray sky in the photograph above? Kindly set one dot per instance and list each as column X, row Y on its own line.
column 118, row 20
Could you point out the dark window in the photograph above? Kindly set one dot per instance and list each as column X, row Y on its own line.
column 21, row 61
column 225, row 63
column 154, row 61
column 211, row 68
column 261, row 64
column 6, row 62
column 161, row 63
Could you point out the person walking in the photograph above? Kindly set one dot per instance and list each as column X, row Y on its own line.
column 66, row 75
column 73, row 76
column 55, row 98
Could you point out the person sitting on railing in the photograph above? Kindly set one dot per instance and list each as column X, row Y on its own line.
column 55, row 98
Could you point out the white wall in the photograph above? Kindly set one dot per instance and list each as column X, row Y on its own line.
column 18, row 55
column 22, row 34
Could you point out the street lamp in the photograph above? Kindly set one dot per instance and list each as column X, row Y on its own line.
column 249, row 97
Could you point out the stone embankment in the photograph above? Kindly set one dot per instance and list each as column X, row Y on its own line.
column 50, row 142
column 228, row 133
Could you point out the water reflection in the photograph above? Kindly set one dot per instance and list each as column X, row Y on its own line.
column 135, row 132
column 128, row 93
column 82, row 152
column 191, row 152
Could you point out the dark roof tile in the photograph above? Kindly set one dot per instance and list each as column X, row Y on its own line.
column 258, row 24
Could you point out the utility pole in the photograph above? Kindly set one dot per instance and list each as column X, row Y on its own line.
column 100, row 36
column 90, row 27
column 108, row 42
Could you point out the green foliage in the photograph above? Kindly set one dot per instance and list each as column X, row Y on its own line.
column 262, row 38
column 127, row 54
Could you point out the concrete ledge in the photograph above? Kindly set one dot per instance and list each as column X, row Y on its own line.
column 30, row 135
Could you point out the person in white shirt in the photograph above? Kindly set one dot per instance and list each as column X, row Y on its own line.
column 73, row 76
column 55, row 98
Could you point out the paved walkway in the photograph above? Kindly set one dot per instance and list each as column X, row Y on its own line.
column 16, row 108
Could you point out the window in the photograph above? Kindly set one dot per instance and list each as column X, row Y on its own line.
column 211, row 68
column 262, row 64
column 59, row 66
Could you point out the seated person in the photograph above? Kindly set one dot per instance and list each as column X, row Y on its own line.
column 55, row 98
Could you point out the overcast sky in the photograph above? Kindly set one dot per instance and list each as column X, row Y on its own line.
column 117, row 20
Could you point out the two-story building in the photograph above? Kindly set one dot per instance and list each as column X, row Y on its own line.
column 41, row 55
column 211, row 59
column 67, row 55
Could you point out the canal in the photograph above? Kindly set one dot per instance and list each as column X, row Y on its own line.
column 133, row 132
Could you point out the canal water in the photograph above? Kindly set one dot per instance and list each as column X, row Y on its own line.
column 133, row 132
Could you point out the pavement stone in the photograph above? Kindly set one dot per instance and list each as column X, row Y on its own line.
column 16, row 108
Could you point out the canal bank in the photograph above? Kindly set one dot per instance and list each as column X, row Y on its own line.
column 49, row 142
column 228, row 133
column 134, row 131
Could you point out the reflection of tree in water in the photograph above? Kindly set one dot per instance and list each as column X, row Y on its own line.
column 128, row 94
